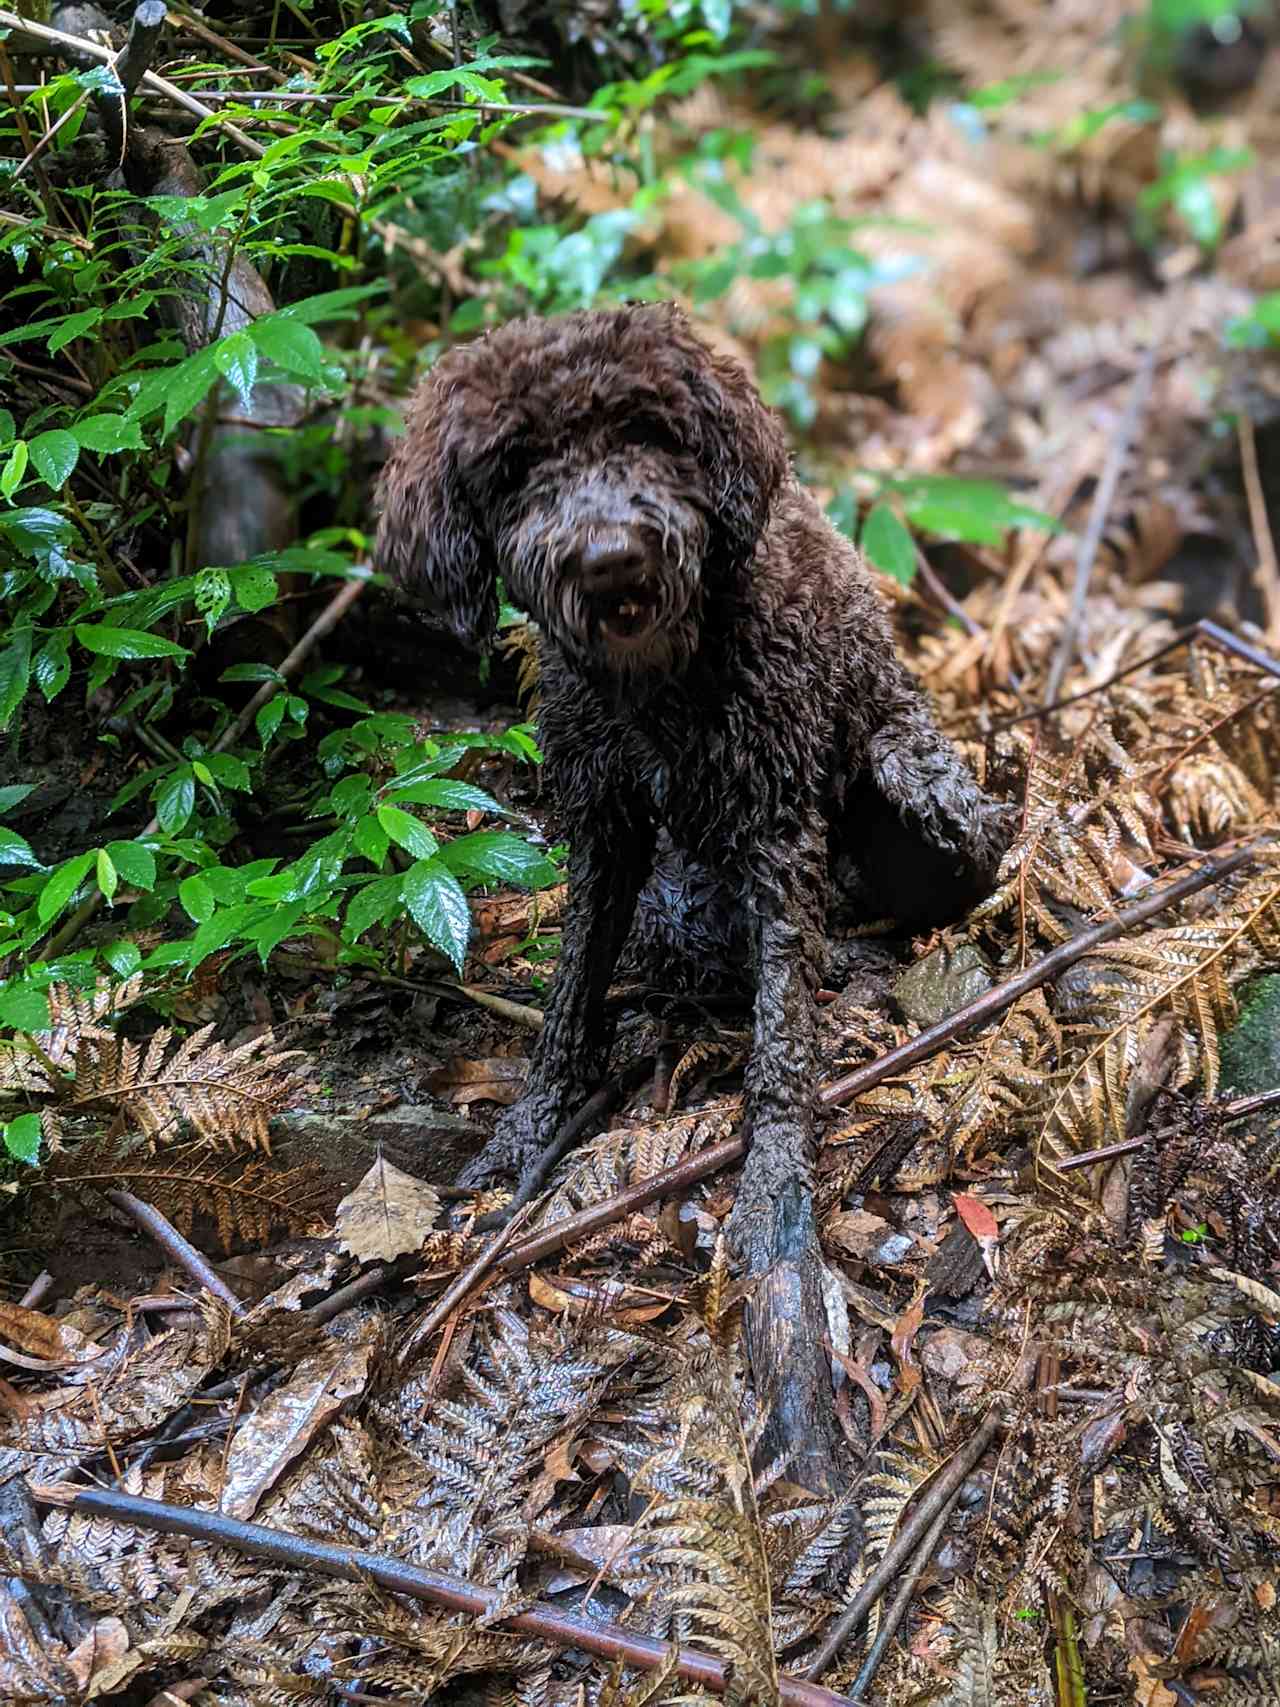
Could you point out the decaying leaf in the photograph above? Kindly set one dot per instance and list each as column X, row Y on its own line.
column 388, row 1214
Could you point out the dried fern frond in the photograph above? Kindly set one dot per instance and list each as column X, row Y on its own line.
column 227, row 1096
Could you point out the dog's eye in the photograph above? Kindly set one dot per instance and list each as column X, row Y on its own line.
column 648, row 434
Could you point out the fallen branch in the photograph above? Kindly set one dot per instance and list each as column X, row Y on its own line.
column 179, row 1250
column 693, row 1169
column 257, row 1541
column 933, row 1507
column 887, row 1628
column 1103, row 498
column 1240, row 1109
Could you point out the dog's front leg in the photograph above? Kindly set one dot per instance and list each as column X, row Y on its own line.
column 773, row 1228
column 610, row 859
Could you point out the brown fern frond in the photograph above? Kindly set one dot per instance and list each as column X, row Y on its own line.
column 731, row 1052
column 225, row 1095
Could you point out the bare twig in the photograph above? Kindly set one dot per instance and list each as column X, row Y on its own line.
column 1102, row 501
column 1267, row 573
column 549, row 1624
column 1217, row 636
column 935, row 1504
column 890, row 1620
column 459, row 1287
column 1240, row 1109
column 175, row 1247
column 160, row 85
column 942, row 594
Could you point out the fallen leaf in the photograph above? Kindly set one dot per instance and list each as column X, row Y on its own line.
column 54, row 1342
column 983, row 1225
column 499, row 1079
column 388, row 1214
column 905, row 1330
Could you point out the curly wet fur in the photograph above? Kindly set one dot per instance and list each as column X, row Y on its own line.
column 759, row 716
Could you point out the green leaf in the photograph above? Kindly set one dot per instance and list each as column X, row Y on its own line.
column 73, row 326
column 55, row 455
column 16, row 850
column 197, row 897
column 62, row 886
column 254, row 587
column 14, row 469
column 372, row 905
column 181, row 390
column 450, row 796
column 212, row 596
column 135, row 862
column 14, row 795
column 124, row 958
column 22, row 1138
column 980, row 511
column 15, row 673
column 52, row 666
column 330, row 304
column 371, row 840
column 176, row 800
column 889, row 544
column 126, row 642
column 107, row 433
column 438, row 907
column 407, row 832
column 217, row 932
column 108, row 879
column 290, row 345
column 269, row 718
column 237, row 360
column 228, row 770
column 23, row 1007
column 276, row 927
column 499, row 856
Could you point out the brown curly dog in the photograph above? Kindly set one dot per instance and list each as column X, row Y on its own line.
column 717, row 667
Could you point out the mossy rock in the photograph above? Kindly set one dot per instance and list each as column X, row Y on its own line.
column 941, row 982
column 1250, row 1050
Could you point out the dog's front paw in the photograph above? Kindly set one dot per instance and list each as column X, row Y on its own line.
column 522, row 1132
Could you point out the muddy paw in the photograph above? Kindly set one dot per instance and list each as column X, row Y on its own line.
column 517, row 1142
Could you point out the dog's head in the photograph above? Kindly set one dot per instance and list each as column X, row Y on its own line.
column 613, row 469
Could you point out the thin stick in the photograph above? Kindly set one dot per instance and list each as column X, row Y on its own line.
column 328, row 618
column 890, row 1620
column 607, row 1641
column 1267, row 574
column 937, row 1502
column 942, row 593
column 673, row 1180
column 1102, row 501
column 175, row 1247
column 82, row 45
column 1240, row 1109
column 458, row 1288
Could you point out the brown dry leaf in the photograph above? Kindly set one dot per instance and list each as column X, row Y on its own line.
column 498, row 1079
column 548, row 1296
column 54, row 1342
column 101, row 1662
column 1149, row 1691
column 287, row 1420
column 388, row 1214
column 858, row 1232
column 904, row 1332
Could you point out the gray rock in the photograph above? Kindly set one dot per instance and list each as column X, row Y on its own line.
column 942, row 982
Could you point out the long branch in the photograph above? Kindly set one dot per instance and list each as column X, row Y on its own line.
column 255, row 1540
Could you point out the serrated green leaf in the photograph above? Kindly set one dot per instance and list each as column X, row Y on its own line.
column 371, row 905
column 24, row 1008
column 330, row 304
column 290, row 345
column 22, row 1138
column 197, row 898
column 212, row 596
column 282, row 922
column 175, row 800
column 499, row 856
column 889, row 544
column 16, row 850
column 269, row 718
column 438, row 907
column 443, row 792
column 55, row 455
column 181, row 390
column 14, row 468
column 254, row 587
column 371, row 840
column 407, row 832
column 227, row 770
column 237, row 361
column 135, row 862
column 15, row 673
column 72, row 326
column 126, row 642
column 51, row 666
column 107, row 433
column 108, row 877
column 62, row 886
column 124, row 958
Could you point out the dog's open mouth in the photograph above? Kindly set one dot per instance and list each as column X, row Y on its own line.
column 628, row 615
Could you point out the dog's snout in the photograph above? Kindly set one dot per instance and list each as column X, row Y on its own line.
column 605, row 561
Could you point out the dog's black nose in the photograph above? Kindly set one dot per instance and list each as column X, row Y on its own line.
column 610, row 560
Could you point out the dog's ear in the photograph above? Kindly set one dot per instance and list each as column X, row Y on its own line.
column 741, row 445
column 430, row 539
